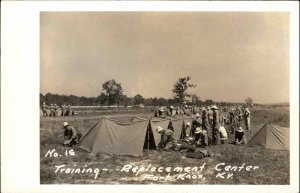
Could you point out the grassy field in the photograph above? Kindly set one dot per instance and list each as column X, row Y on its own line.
column 272, row 165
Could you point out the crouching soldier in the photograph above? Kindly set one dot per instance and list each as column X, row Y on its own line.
column 240, row 137
column 168, row 139
column 71, row 135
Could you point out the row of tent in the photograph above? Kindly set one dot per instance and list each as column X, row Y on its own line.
column 112, row 137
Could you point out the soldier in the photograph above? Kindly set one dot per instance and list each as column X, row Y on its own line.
column 205, row 123
column 239, row 114
column 240, row 137
column 161, row 112
column 168, row 140
column 69, row 110
column 247, row 118
column 55, row 110
column 210, row 116
column 44, row 109
column 52, row 111
column 71, row 134
column 223, row 134
column 186, row 128
column 231, row 117
column 216, row 125
column 197, row 122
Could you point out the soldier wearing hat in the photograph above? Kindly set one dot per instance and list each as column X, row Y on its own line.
column 215, row 126
column 240, row 137
column 52, row 111
column 205, row 123
column 247, row 118
column 44, row 109
column 168, row 140
column 231, row 116
column 197, row 122
column 71, row 135
column 184, row 133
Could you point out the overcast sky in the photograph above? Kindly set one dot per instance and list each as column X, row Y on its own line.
column 229, row 56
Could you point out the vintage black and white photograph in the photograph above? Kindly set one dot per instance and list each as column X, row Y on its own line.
column 164, row 98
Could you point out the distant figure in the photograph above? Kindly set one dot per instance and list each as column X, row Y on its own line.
column 216, row 125
column 231, row 117
column 44, row 109
column 172, row 111
column 168, row 139
column 71, row 135
column 160, row 112
column 52, row 111
column 239, row 114
column 247, row 118
column 55, row 110
column 205, row 123
column 223, row 135
column 210, row 116
column 69, row 110
column 186, row 128
column 186, row 110
column 240, row 137
column 63, row 110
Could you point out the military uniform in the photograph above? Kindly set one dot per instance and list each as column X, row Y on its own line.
column 215, row 130
column 197, row 122
column 168, row 140
column 44, row 109
column 71, row 133
column 247, row 119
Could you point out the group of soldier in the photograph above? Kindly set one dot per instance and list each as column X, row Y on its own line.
column 208, row 128
column 55, row 110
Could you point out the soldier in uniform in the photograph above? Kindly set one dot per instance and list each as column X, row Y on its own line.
column 52, row 111
column 71, row 135
column 247, row 118
column 216, row 125
column 44, row 109
column 197, row 122
column 168, row 139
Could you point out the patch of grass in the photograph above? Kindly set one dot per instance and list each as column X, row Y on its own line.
column 273, row 165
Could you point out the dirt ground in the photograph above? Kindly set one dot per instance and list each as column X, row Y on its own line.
column 229, row 164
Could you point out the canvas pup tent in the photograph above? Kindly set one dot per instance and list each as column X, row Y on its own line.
column 113, row 137
column 272, row 137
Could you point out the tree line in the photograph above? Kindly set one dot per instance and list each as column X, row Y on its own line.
column 112, row 94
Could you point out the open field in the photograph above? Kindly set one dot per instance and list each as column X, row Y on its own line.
column 273, row 165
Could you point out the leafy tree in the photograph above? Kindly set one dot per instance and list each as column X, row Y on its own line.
column 113, row 91
column 138, row 99
column 195, row 99
column 180, row 89
column 249, row 101
column 209, row 102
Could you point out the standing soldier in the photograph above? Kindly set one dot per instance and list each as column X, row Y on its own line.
column 44, row 109
column 69, row 110
column 231, row 117
column 55, row 110
column 52, row 111
column 205, row 123
column 63, row 110
column 210, row 116
column 247, row 118
column 216, row 125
